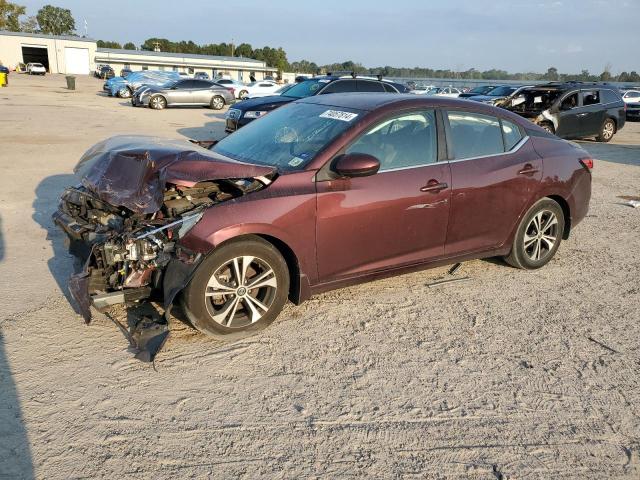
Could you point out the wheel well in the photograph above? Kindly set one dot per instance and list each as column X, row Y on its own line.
column 566, row 212
column 288, row 255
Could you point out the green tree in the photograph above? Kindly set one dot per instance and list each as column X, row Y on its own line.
column 103, row 44
column 129, row 46
column 552, row 74
column 10, row 16
column 244, row 50
column 56, row 20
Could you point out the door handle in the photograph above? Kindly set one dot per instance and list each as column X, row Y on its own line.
column 433, row 186
column 528, row 170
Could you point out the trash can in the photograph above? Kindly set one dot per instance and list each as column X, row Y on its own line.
column 71, row 82
column 3, row 79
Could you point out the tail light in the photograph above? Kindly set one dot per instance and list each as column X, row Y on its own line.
column 232, row 90
column 587, row 163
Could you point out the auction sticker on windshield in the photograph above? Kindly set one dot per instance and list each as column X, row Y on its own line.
column 338, row 115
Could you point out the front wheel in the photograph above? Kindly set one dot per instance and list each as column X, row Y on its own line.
column 607, row 131
column 217, row 102
column 158, row 102
column 538, row 236
column 124, row 93
column 238, row 290
column 243, row 94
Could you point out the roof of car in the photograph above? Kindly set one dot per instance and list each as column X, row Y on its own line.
column 371, row 101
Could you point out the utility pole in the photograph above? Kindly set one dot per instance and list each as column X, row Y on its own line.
column 233, row 48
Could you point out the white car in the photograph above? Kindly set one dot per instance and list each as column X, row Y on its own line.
column 422, row 89
column 445, row 92
column 280, row 91
column 228, row 83
column 36, row 69
column 264, row 86
column 631, row 96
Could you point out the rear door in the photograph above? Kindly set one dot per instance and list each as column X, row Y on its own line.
column 494, row 174
column 201, row 92
column 593, row 113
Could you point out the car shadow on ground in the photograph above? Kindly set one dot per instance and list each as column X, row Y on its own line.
column 15, row 450
column 61, row 264
column 213, row 130
column 607, row 152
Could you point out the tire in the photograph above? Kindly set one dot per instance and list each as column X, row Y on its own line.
column 124, row 93
column 217, row 103
column 242, row 95
column 158, row 102
column 235, row 315
column 607, row 131
column 534, row 247
column 548, row 127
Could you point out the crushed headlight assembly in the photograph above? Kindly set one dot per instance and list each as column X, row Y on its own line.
column 254, row 113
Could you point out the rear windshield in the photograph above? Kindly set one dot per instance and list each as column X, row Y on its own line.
column 501, row 91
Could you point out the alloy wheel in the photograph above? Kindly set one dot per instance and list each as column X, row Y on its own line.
column 218, row 103
column 157, row 103
column 608, row 130
column 541, row 235
column 241, row 291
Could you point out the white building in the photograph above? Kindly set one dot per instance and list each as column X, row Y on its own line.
column 59, row 54
column 76, row 55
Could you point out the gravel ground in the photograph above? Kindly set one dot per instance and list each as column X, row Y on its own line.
column 508, row 375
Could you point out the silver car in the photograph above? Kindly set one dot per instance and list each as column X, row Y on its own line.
column 188, row 91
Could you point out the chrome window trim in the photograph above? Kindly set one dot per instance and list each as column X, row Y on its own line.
column 516, row 147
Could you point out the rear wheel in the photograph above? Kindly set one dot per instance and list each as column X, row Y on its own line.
column 124, row 93
column 607, row 131
column 158, row 102
column 217, row 102
column 243, row 94
column 238, row 290
column 538, row 236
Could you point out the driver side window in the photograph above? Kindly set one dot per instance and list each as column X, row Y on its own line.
column 570, row 102
column 409, row 140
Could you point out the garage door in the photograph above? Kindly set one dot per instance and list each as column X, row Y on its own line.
column 34, row 54
column 76, row 60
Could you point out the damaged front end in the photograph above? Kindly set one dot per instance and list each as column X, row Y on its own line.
column 534, row 104
column 138, row 198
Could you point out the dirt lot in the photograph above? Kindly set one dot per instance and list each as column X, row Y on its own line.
column 510, row 375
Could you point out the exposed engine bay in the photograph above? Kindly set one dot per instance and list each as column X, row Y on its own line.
column 136, row 201
column 534, row 104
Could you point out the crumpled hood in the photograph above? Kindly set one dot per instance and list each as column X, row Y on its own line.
column 132, row 171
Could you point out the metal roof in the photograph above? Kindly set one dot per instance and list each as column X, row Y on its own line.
column 42, row 35
column 194, row 56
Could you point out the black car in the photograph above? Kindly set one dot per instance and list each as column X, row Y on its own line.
column 248, row 110
column 572, row 109
column 106, row 72
column 482, row 90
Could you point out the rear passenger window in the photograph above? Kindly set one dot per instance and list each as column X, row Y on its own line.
column 406, row 141
column 512, row 134
column 389, row 88
column 474, row 135
column 591, row 97
column 370, row 86
column 609, row 96
column 340, row 86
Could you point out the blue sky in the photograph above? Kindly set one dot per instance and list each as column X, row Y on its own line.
column 515, row 35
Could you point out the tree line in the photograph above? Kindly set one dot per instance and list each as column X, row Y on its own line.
column 59, row 21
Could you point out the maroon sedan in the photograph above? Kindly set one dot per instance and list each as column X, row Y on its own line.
column 322, row 193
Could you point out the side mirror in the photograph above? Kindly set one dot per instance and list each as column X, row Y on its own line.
column 356, row 165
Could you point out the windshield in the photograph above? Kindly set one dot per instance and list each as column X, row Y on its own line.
column 307, row 88
column 288, row 138
column 502, row 91
column 481, row 90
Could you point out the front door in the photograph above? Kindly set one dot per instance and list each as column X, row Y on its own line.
column 397, row 216
column 493, row 178
column 570, row 116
